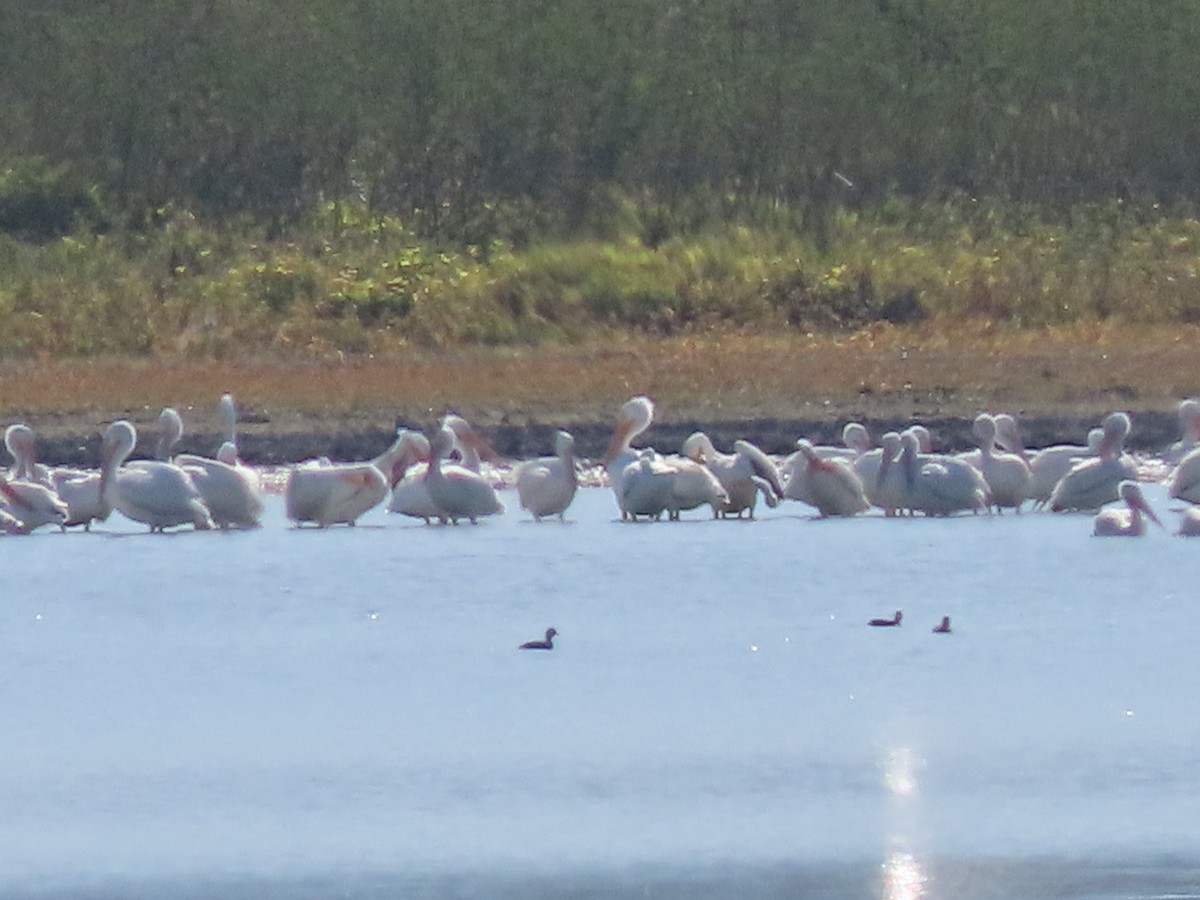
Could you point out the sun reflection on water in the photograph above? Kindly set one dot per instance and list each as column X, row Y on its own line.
column 903, row 878
column 898, row 772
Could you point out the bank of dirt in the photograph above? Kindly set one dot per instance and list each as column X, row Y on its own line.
column 282, row 437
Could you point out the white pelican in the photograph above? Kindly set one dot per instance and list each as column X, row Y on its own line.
column 33, row 504
column 1189, row 425
column 857, row 444
column 1189, row 522
column 338, row 493
column 170, row 431
column 231, row 491
column 1048, row 465
column 940, row 485
column 20, row 442
column 233, row 497
column 1185, row 480
column 228, row 412
column 1091, row 484
column 692, row 485
column 633, row 418
column 158, row 494
column 410, row 496
column 835, row 488
column 744, row 474
column 1007, row 474
column 1125, row 522
column 546, row 486
column 458, row 493
column 645, row 487
column 882, row 474
column 79, row 489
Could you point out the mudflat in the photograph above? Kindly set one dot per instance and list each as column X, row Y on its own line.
column 771, row 389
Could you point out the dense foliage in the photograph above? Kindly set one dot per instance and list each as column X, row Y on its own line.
column 198, row 175
column 466, row 113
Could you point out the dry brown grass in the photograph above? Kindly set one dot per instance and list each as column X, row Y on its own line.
column 880, row 371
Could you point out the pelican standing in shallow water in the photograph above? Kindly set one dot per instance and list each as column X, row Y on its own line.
column 457, row 493
column 77, row 488
column 158, row 494
column 1048, row 466
column 410, row 496
column 1184, row 483
column 33, row 504
column 940, row 485
column 1127, row 522
column 633, row 418
column 546, row 486
column 744, row 474
column 1091, row 484
column 834, row 487
column 1007, row 474
column 339, row 493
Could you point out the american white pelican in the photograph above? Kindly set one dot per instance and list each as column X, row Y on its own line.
column 1189, row 522
column 745, row 473
column 546, row 486
column 20, row 442
column 633, row 418
column 1125, row 522
column 78, row 488
column 170, row 432
column 1185, row 480
column 1189, row 425
column 33, row 504
column 158, row 494
column 940, row 485
column 410, row 497
column 227, row 410
column 233, row 497
column 1007, row 474
column 339, row 493
column 693, row 485
column 231, row 491
column 856, row 442
column 883, row 477
column 645, row 487
column 1048, row 465
column 229, row 452
column 458, row 493
column 835, row 488
column 546, row 644
column 1094, row 482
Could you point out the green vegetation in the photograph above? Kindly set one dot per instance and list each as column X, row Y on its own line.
column 195, row 177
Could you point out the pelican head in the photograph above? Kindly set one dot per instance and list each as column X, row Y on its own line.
column 634, row 417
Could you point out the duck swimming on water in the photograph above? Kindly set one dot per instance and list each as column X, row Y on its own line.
column 547, row 644
column 886, row 623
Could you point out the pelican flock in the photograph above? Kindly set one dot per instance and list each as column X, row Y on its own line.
column 455, row 475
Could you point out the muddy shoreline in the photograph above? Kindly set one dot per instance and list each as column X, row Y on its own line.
column 281, row 439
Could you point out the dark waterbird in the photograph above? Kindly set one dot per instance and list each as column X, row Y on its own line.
column 884, row 623
column 547, row 644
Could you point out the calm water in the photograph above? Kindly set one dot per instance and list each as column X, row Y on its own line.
column 302, row 713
